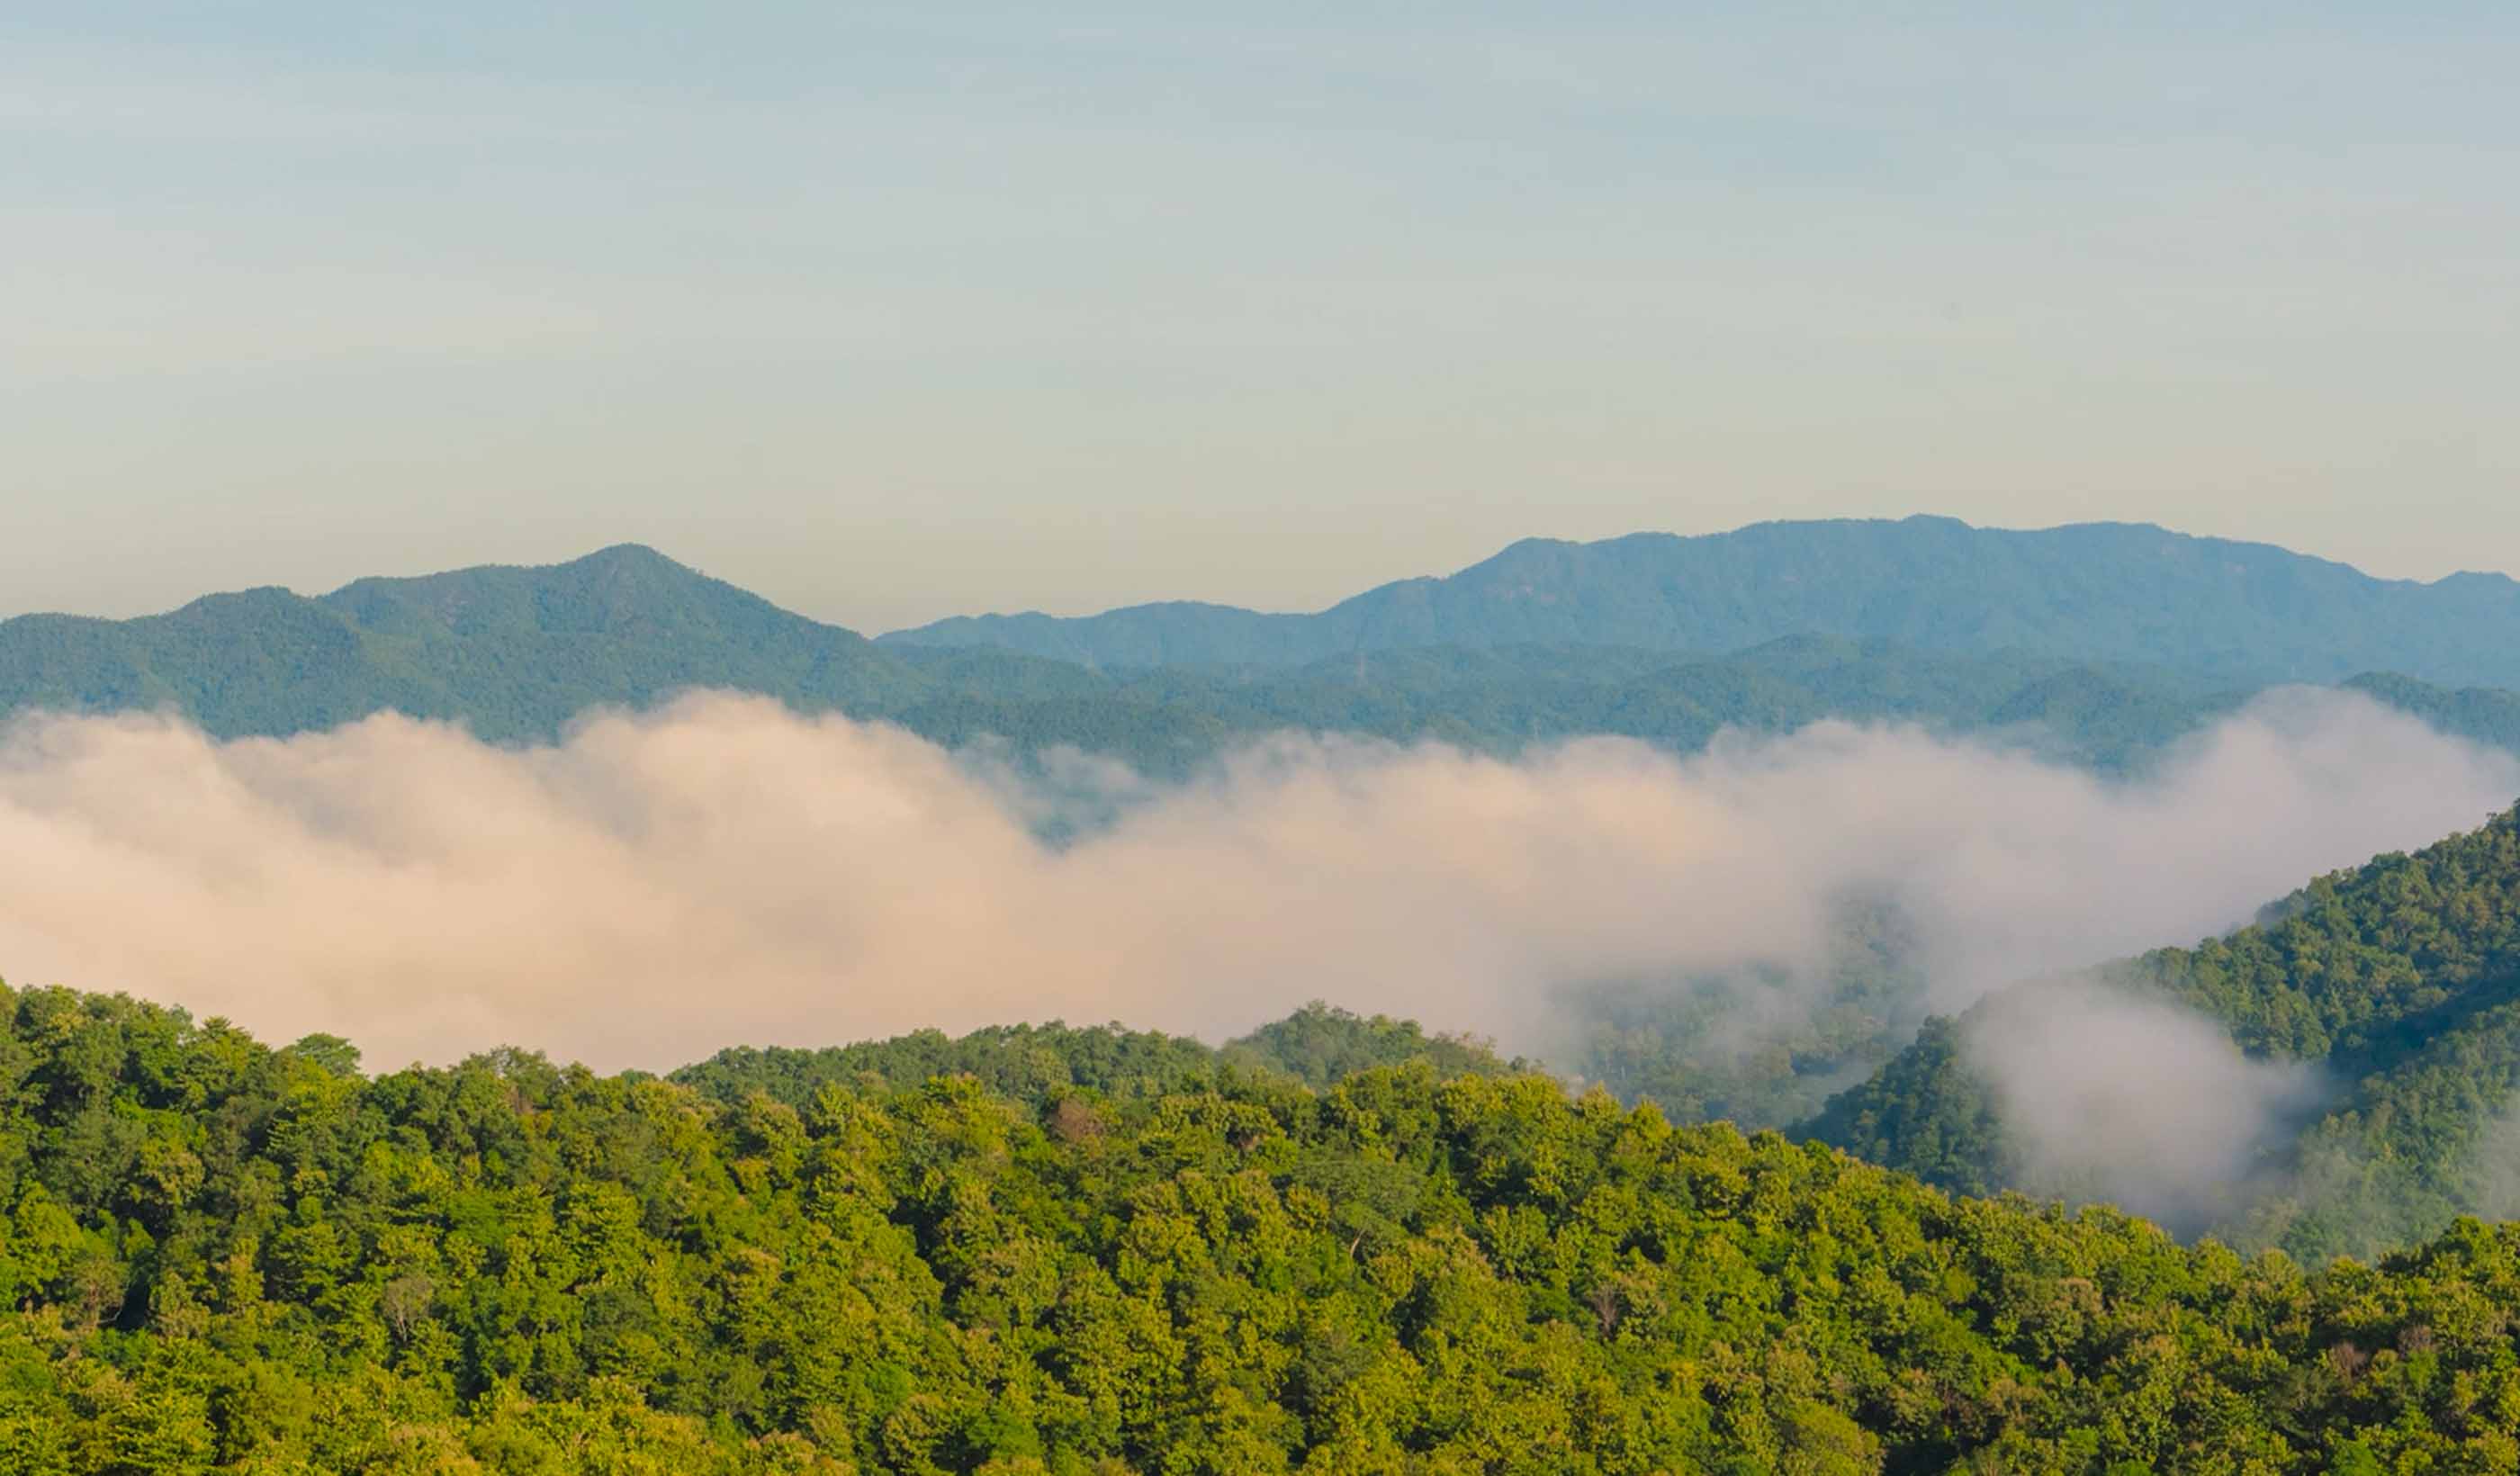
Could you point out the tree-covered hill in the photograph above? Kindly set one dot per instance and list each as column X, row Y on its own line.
column 2401, row 979
column 2236, row 613
column 221, row 1257
column 512, row 653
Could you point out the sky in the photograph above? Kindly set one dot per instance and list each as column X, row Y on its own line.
column 895, row 311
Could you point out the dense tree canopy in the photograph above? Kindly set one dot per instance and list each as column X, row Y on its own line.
column 1113, row 1253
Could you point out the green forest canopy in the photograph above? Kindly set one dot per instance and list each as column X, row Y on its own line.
column 1111, row 1252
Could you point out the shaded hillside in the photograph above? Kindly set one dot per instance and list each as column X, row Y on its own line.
column 1503, row 699
column 2487, row 715
column 224, row 1258
column 2401, row 979
column 2231, row 612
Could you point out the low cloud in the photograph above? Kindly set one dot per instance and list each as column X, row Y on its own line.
column 2110, row 1096
column 723, row 871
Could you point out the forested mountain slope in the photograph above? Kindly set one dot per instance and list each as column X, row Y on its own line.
column 2230, row 612
column 223, row 1257
column 2401, row 979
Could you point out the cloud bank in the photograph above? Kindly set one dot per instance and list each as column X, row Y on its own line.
column 721, row 870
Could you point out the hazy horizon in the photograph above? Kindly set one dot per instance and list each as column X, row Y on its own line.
column 908, row 311
column 1090, row 606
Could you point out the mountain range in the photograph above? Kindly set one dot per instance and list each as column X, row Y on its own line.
column 2105, row 641
column 2234, row 612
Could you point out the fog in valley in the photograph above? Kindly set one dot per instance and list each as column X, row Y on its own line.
column 723, row 871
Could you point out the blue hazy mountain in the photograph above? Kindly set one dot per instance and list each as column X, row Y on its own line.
column 510, row 651
column 515, row 653
column 2233, row 612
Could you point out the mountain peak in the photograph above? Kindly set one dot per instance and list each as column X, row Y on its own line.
column 627, row 556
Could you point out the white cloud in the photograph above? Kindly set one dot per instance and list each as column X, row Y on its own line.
column 722, row 870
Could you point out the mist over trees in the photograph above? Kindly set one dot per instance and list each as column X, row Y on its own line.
column 1739, row 933
column 2392, row 987
column 1338, row 1243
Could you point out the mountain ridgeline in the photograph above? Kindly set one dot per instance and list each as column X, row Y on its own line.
column 1783, row 638
column 2237, row 613
column 512, row 653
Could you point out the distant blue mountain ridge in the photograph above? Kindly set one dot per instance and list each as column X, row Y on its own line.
column 2237, row 613
column 2103, row 642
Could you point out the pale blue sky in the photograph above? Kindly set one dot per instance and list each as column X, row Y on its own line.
column 895, row 311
